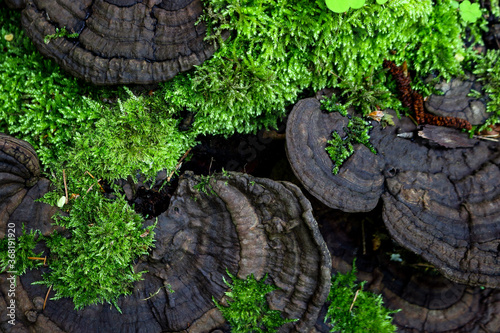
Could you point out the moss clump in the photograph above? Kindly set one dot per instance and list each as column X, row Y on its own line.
column 340, row 149
column 40, row 103
column 95, row 262
column 278, row 49
column 21, row 248
column 248, row 310
column 354, row 310
column 138, row 135
column 488, row 70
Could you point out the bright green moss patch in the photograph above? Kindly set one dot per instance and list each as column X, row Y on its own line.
column 488, row 70
column 60, row 33
column 248, row 310
column 15, row 251
column 340, row 149
column 38, row 101
column 275, row 51
column 278, row 49
column 354, row 310
column 94, row 263
column 138, row 135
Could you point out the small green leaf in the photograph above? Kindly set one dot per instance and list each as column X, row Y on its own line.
column 61, row 201
column 357, row 4
column 381, row 2
column 340, row 6
column 470, row 12
column 337, row 6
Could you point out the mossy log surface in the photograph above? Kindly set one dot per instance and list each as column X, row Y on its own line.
column 120, row 42
column 235, row 222
column 441, row 203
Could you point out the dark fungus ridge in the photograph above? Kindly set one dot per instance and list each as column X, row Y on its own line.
column 16, row 4
column 428, row 302
column 20, row 184
column 241, row 223
column 135, row 41
column 456, row 102
column 443, row 204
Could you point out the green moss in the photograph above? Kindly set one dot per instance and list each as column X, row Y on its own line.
column 138, row 135
column 95, row 263
column 278, row 49
column 248, row 310
column 340, row 149
column 435, row 43
column 38, row 101
column 60, row 33
column 21, row 248
column 354, row 310
column 488, row 71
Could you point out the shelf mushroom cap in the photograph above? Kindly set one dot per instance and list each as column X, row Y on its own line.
column 307, row 133
column 441, row 203
column 120, row 42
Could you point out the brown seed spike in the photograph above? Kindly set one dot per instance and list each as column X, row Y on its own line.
column 418, row 107
column 414, row 101
column 447, row 121
column 403, row 82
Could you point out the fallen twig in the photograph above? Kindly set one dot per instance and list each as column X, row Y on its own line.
column 354, row 300
column 481, row 137
column 46, row 296
column 38, row 258
column 178, row 164
column 65, row 188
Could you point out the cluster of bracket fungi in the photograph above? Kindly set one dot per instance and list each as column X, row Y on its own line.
column 414, row 100
column 442, row 204
column 245, row 224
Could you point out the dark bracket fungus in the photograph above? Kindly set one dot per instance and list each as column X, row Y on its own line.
column 120, row 42
column 307, row 133
column 16, row 4
column 456, row 101
column 19, row 184
column 428, row 301
column 443, row 204
column 235, row 222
